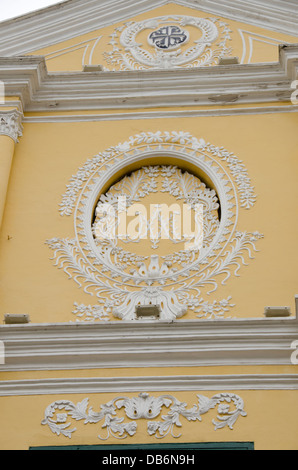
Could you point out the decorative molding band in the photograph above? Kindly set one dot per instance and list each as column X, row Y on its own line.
column 146, row 344
column 11, row 124
column 143, row 407
column 161, row 114
column 81, row 385
column 28, row 78
column 64, row 21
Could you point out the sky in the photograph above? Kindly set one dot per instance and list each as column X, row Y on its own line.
column 12, row 8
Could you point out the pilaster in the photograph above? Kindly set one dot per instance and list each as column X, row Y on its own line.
column 10, row 131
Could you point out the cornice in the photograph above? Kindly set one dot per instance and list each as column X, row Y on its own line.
column 76, row 17
column 65, row 21
column 11, row 124
column 82, row 385
column 39, row 91
column 276, row 15
column 148, row 344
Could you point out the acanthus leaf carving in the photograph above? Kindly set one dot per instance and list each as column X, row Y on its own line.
column 144, row 407
column 11, row 124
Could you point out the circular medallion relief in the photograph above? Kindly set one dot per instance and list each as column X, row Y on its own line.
column 168, row 37
column 146, row 257
column 174, row 41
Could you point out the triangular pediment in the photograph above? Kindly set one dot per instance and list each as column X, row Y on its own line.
column 78, row 32
column 174, row 43
column 168, row 36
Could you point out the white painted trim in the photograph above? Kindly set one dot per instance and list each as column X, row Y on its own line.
column 160, row 114
column 76, row 17
column 66, row 21
column 27, row 78
column 251, row 37
column 82, row 385
column 274, row 15
column 149, row 344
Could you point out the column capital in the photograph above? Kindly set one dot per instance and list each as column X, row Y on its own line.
column 11, row 124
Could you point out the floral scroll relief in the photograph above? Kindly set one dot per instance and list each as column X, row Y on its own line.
column 182, row 139
column 122, row 281
column 129, row 54
column 143, row 407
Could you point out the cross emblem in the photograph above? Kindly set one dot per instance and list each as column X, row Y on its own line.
column 168, row 37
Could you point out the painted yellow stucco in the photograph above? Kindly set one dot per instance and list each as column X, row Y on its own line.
column 34, row 175
column 41, row 172
column 89, row 49
column 6, row 155
column 19, row 413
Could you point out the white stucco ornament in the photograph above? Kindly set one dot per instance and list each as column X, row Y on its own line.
column 11, row 124
column 143, row 407
column 167, row 36
column 120, row 274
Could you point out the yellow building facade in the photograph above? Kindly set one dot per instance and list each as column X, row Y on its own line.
column 115, row 333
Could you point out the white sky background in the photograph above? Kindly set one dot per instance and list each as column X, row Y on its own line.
column 12, row 8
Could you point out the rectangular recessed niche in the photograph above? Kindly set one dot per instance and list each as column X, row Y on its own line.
column 15, row 319
column 92, row 68
column 148, row 312
column 229, row 61
column 273, row 312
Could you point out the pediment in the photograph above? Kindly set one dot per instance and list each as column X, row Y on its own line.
column 52, row 60
column 166, row 37
column 116, row 36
